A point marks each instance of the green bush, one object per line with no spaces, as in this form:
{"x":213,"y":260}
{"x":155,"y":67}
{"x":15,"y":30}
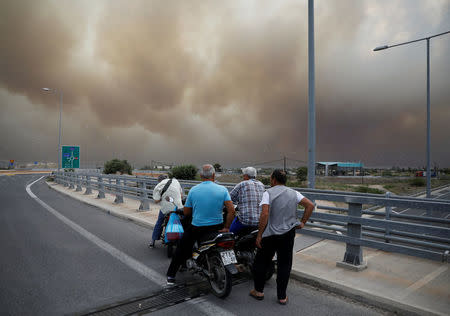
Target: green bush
{"x":69,"y":170}
{"x":184,"y":172}
{"x":364,"y":189}
{"x":417,"y":182}
{"x":116,"y":165}
{"x":386,"y":173}
{"x":302,"y":173}
{"x":264,"y":180}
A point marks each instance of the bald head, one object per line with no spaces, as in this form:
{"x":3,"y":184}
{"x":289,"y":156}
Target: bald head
{"x":207,"y":172}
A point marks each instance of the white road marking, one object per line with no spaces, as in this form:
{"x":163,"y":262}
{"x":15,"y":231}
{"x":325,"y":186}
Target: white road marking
{"x":140,"y":268}
{"x":207,"y":307}
{"x":447,"y":216}
{"x":423,"y":281}
{"x":403,"y":211}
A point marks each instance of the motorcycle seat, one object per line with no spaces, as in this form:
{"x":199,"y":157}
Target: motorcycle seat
{"x":213,"y":237}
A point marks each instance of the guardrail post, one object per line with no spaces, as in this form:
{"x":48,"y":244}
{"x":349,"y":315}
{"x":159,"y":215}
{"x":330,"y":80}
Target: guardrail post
{"x":88,"y":185}
{"x":101,"y":188}
{"x":71,"y":181}
{"x":66,"y":179}
{"x":353,"y":258}
{"x":145,"y":204}
{"x":388,"y":211}
{"x":78,"y":180}
{"x":119,"y":193}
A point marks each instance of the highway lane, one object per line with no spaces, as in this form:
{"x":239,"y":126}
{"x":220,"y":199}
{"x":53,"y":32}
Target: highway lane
{"x":443,"y":195}
{"x":49,"y":268}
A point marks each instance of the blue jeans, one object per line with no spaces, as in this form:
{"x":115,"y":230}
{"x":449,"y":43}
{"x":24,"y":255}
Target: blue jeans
{"x":237,"y":226}
{"x":157,"y":230}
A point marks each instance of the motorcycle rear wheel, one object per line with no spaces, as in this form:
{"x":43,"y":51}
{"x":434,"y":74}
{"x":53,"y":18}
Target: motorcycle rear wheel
{"x":220,"y":279}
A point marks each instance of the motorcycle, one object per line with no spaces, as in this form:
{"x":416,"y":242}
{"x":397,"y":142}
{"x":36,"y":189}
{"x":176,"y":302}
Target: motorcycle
{"x":170,"y":243}
{"x":213,"y":257}
{"x":245,"y":248}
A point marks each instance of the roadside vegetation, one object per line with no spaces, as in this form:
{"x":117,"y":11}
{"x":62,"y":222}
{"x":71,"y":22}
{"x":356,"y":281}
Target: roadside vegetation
{"x":117,"y":166}
{"x":184,"y":172}
{"x":402,"y":183}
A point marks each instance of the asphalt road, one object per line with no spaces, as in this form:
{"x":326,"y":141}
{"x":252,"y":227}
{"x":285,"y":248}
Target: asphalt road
{"x":443,"y":195}
{"x":63,"y":257}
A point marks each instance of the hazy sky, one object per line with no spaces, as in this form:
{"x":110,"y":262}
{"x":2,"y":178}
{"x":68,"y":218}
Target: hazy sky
{"x":223,"y":81}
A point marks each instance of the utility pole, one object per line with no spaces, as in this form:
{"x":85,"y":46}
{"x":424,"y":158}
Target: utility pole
{"x":284,"y":164}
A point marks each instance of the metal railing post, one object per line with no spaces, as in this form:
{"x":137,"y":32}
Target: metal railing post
{"x":88,"y":185}
{"x":145,"y":203}
{"x":353,"y":258}
{"x":78,"y":180}
{"x":101,"y":188}
{"x":71,"y":181}
{"x":66,"y":179}
{"x":388,"y":211}
{"x":119,"y":193}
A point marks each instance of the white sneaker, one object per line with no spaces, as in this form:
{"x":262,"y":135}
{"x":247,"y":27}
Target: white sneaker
{"x":170,"y":281}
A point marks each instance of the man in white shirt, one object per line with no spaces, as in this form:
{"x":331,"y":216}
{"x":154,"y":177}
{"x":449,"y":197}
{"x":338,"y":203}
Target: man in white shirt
{"x":276,"y":233}
{"x":165,"y":188}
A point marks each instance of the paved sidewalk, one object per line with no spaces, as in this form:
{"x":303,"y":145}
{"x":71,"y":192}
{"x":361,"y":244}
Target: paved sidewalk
{"x":402,"y":284}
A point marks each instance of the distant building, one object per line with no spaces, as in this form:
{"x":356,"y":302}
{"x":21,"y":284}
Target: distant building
{"x":335,"y":168}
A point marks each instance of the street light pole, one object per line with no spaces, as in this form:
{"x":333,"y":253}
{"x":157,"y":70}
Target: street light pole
{"x":311,"y":100}
{"x":428,"y":123}
{"x":61,"y":94}
{"x":428,"y":100}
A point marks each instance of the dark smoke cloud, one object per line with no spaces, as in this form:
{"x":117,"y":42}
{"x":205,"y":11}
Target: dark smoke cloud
{"x":225,"y":81}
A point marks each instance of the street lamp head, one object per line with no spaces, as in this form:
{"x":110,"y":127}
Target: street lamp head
{"x":380,"y":48}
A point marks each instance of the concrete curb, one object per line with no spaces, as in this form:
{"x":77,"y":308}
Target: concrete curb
{"x":361,"y":296}
{"x":110,"y":211}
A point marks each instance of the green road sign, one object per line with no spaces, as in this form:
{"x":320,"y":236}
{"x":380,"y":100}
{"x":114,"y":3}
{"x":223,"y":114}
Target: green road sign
{"x":70,"y":157}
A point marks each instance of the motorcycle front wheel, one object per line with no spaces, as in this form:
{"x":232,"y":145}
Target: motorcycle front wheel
{"x":220,"y":279}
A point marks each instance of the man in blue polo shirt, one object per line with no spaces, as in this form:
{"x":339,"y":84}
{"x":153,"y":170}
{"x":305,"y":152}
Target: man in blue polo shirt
{"x":205,"y":202}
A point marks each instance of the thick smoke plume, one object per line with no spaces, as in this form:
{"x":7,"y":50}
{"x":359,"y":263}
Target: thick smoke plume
{"x":198,"y":81}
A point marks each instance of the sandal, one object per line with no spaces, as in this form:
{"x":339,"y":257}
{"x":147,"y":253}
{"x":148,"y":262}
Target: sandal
{"x":283,"y":302}
{"x":256,"y":296}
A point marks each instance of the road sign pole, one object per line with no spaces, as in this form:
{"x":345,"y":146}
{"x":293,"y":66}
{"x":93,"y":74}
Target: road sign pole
{"x":60,"y":122}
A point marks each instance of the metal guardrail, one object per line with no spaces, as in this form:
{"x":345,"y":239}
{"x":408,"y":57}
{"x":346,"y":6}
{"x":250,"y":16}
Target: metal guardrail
{"x":421,"y":236}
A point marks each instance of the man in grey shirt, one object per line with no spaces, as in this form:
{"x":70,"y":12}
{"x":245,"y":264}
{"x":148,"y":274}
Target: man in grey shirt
{"x":277,"y":226}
